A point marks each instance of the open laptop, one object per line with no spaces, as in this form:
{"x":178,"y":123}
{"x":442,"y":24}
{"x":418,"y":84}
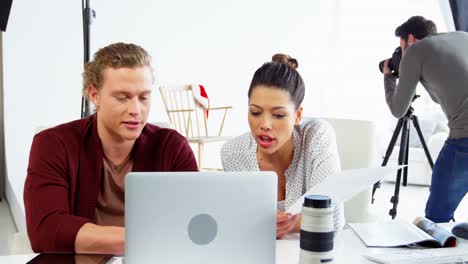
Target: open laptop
{"x":200,"y":217}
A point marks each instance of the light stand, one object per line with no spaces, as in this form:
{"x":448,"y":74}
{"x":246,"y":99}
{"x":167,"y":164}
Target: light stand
{"x":88,"y":15}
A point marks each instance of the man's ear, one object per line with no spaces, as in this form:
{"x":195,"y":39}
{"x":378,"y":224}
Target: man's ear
{"x":298,"y":116}
{"x":92,"y":94}
{"x":411,"y":39}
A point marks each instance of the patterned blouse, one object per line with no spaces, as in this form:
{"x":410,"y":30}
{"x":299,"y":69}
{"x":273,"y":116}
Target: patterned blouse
{"x":315,"y":158}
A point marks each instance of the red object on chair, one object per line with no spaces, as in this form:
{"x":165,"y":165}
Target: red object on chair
{"x":201,"y":97}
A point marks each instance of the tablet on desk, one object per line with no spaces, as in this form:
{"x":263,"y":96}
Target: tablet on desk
{"x":63,"y":258}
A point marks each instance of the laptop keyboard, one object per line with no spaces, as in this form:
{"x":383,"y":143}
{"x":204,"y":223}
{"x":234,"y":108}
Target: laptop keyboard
{"x":413,"y":256}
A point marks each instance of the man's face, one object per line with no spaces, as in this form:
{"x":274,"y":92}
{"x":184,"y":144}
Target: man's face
{"x":403,"y":45}
{"x":122,"y":103}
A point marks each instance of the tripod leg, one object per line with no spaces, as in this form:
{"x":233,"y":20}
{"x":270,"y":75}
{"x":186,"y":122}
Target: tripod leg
{"x":388,"y":152}
{"x":405,"y":170}
{"x":423,"y":142}
{"x":401,"y":160}
{"x":391,"y":145}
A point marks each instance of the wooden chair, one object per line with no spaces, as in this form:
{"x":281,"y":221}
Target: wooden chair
{"x":191,"y":120}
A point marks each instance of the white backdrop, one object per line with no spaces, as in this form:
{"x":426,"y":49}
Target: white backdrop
{"x":216,"y":43}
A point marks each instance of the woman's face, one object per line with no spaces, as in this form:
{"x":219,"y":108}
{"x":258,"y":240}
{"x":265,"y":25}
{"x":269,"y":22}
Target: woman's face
{"x":272,"y":117}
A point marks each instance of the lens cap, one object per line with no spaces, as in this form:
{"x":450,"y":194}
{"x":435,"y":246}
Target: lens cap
{"x":317,"y":201}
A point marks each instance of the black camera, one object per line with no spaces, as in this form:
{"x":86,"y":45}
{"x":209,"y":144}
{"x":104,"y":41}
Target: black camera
{"x":393,"y":62}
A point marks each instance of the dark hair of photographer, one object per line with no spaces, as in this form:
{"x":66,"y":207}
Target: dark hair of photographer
{"x":418,"y":26}
{"x":280,"y":73}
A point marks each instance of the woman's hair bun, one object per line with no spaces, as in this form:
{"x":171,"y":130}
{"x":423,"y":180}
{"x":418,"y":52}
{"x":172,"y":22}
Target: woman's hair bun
{"x":286,"y":59}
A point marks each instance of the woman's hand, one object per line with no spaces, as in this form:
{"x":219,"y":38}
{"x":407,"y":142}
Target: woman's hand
{"x":286,"y":223}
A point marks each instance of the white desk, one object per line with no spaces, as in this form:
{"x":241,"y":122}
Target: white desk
{"x":16,"y":259}
{"x":348,"y":249}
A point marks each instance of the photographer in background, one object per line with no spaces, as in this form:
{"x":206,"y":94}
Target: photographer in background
{"x":440,"y":63}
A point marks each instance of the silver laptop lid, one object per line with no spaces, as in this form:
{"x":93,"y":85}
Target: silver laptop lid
{"x":200,"y":217}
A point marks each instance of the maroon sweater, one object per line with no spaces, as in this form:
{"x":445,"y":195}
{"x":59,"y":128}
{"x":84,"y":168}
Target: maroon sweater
{"x":65,"y":174}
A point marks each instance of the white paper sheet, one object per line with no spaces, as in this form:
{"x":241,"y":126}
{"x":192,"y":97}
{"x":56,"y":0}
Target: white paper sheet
{"x":344,"y":185}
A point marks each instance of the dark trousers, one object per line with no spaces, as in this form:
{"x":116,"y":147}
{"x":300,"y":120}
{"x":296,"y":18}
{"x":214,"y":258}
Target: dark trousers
{"x":449,"y":181}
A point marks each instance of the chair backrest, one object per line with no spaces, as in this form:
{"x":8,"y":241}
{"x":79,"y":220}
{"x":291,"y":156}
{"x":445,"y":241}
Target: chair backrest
{"x":356,"y":140}
{"x":162,"y":124}
{"x":184,"y":114}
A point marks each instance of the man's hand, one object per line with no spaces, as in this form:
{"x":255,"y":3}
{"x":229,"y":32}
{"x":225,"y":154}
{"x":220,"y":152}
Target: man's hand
{"x":95,"y":239}
{"x":285,"y":223}
{"x":386,"y":69}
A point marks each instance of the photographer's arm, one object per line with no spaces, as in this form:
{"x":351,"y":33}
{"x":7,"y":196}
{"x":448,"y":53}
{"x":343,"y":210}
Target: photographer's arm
{"x":399,"y":96}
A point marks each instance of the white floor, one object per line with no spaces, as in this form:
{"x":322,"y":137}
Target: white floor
{"x":7,"y":227}
{"x":411,"y":204}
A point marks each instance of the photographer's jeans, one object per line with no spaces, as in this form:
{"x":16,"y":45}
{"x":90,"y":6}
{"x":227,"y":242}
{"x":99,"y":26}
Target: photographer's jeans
{"x":449,"y":180}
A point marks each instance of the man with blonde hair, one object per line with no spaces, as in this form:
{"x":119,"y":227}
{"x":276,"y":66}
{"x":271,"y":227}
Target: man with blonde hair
{"x":74,"y":191}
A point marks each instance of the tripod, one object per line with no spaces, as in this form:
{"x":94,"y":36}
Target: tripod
{"x":403,"y":126}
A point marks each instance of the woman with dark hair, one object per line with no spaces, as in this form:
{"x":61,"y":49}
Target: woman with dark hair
{"x":301,"y":151}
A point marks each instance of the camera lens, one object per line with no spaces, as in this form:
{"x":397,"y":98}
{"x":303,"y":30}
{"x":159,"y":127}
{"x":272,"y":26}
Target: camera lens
{"x":317,"y":230}
{"x":393,"y":62}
